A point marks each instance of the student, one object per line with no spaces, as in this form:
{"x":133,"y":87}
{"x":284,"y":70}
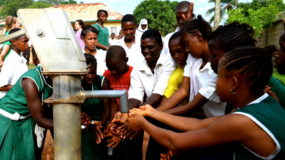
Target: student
{"x":15,"y":64}
{"x":112,"y":39}
{"x":256,"y":125}
{"x":97,"y":110}
{"x":202,"y":77}
{"x":130,"y":42}
{"x":89,"y":37}
{"x":179,"y":54}
{"x":277,"y":88}
{"x":78,"y":25}
{"x":119,"y":76}
{"x":118,"y":73}
{"x":10,"y":23}
{"x":20,"y":109}
{"x":103,"y":32}
{"x":143,"y":26}
{"x":184,"y":12}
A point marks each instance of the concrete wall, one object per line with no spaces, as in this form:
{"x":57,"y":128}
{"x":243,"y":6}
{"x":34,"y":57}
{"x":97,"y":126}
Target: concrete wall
{"x":271,"y":35}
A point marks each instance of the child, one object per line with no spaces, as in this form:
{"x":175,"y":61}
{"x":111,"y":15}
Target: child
{"x":103,"y":33}
{"x":257,"y":122}
{"x":118,"y":73}
{"x":179,"y":54}
{"x":20,"y":109}
{"x":202,"y":77}
{"x":15,"y":64}
{"x":89,"y":36}
{"x":97,"y":110}
{"x":276,"y":86}
{"x":119,"y":76}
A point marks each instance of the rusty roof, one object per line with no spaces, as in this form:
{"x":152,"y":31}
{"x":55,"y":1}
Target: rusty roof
{"x":88,"y":11}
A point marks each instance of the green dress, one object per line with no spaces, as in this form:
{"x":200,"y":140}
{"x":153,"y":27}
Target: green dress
{"x":7,"y":43}
{"x":103,"y":36}
{"x":16,"y":137}
{"x":268,"y":114}
{"x":94,"y":109}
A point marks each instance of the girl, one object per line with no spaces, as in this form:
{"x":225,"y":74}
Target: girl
{"x":103,"y":33}
{"x":78,"y":25}
{"x":202,"y":77}
{"x":89,"y":37}
{"x":10,"y":23}
{"x":20,"y":109}
{"x":96,"y":110}
{"x":257,"y":122}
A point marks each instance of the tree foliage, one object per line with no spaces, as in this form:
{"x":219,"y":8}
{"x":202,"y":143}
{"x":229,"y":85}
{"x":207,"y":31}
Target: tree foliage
{"x":258,"y":13}
{"x":10,"y":7}
{"x":40,"y":4}
{"x":160,"y":14}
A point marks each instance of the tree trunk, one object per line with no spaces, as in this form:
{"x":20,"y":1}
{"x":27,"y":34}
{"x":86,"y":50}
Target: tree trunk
{"x":217,"y":14}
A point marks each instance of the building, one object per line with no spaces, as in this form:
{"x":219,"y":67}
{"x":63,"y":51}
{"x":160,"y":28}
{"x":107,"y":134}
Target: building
{"x":88,"y":13}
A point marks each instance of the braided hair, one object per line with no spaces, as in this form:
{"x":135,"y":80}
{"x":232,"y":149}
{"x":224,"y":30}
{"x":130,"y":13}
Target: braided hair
{"x":88,"y":28}
{"x":231,"y":36}
{"x":253,"y":63}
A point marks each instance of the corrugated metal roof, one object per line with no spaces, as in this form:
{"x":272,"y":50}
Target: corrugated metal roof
{"x":88,"y":11}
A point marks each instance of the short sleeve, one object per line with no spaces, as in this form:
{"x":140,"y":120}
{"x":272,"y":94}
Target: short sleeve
{"x":136,"y":90}
{"x":7,"y":72}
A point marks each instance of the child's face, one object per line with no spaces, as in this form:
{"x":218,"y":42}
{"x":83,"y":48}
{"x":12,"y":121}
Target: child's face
{"x":223,"y":84}
{"x":129,"y":30}
{"x":90,"y":40}
{"x":102,"y":17}
{"x":150,"y":50}
{"x":178,"y":52}
{"x":117,"y":66}
{"x":182,"y":17}
{"x":193,"y":44}
{"x":76,"y":25}
{"x":279,"y":56}
{"x":216,"y":55}
{"x":22,"y":43}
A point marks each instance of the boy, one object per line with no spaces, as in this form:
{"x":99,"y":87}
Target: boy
{"x":15,"y":64}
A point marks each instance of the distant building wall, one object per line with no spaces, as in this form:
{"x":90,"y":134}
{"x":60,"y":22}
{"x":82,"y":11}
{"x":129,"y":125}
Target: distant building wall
{"x":271,"y":35}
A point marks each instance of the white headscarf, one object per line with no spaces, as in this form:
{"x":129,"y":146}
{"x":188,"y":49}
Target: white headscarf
{"x":143,"y":21}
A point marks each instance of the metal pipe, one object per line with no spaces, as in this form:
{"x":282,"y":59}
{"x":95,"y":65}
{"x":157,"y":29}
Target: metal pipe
{"x":67,"y":132}
{"x":122,"y":94}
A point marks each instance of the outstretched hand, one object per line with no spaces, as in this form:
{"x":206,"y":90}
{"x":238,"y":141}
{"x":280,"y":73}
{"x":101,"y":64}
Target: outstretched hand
{"x":143,"y":110}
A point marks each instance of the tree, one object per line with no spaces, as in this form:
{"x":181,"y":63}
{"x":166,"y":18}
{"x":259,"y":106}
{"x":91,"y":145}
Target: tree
{"x":10,"y":7}
{"x":258,"y":14}
{"x":160,"y":14}
{"x":40,"y":4}
{"x":217,"y":19}
{"x":225,"y":5}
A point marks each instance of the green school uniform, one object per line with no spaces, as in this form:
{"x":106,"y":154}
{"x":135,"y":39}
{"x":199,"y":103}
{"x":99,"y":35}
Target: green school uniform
{"x":103,"y":36}
{"x":269,"y":115}
{"x":16,"y":137}
{"x":278,"y":88}
{"x":7,"y":43}
{"x":94,"y":109}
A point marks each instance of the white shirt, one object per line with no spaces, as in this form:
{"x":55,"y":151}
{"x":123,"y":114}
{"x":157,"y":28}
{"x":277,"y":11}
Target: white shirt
{"x":203,"y":81}
{"x":166,"y":39}
{"x":143,"y":81}
{"x":13,"y":68}
{"x":134,"y":53}
{"x":101,"y":61}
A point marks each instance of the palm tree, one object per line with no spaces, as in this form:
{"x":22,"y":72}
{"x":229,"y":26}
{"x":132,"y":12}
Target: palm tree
{"x":225,"y":5}
{"x":217,"y":14}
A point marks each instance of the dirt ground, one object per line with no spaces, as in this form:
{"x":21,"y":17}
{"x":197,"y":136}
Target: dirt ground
{"x":48,"y":152}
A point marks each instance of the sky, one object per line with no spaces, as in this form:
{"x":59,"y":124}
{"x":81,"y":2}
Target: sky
{"x":128,"y":6}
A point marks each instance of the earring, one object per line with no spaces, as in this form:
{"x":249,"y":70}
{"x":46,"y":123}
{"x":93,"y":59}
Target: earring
{"x":233,"y":92}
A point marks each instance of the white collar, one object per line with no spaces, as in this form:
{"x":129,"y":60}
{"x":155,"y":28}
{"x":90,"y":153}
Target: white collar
{"x":18,"y":57}
{"x":261,"y":98}
{"x":206,"y":67}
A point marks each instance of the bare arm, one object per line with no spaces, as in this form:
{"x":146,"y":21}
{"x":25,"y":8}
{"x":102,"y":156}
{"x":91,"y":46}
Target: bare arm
{"x":177,"y":97}
{"x":154,"y":99}
{"x":198,"y":101}
{"x":6,"y":88}
{"x":177,"y":122}
{"x":4,"y":52}
{"x":35,"y":104}
{"x":134,"y":103}
{"x":221,"y":131}
{"x":102,"y":46}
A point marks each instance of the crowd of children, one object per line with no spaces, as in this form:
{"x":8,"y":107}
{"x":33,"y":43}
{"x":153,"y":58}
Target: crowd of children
{"x":198,"y":93}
